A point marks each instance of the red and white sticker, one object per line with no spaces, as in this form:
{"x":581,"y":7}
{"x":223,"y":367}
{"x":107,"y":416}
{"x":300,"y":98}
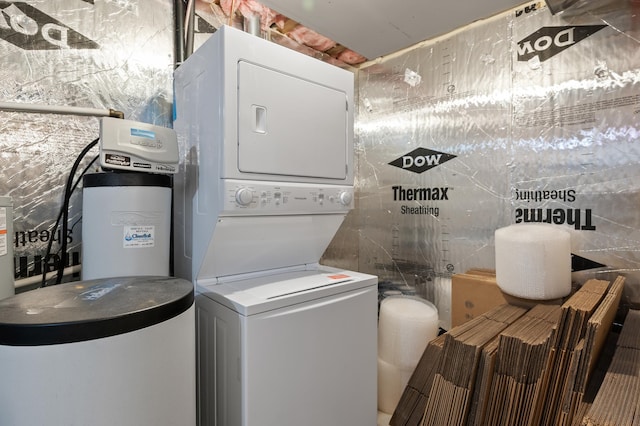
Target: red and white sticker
{"x":339,"y":276}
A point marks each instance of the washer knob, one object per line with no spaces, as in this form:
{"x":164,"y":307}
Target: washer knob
{"x":345,"y":198}
{"x":244,"y":196}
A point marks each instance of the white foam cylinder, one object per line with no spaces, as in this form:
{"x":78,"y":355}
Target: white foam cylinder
{"x":442,"y":287}
{"x":533,"y":261}
{"x":405,"y":326}
{"x":391,"y":383}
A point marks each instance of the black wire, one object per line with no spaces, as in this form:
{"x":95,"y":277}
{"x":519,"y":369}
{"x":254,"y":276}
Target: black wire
{"x":64,"y":215}
{"x":84,"y":172}
{"x":48,"y":252}
{"x":75,"y":185}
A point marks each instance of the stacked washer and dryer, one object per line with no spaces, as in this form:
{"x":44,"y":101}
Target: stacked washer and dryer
{"x":265,"y":181}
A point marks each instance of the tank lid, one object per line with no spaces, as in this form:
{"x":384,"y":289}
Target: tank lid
{"x":125,"y":179}
{"x":92,"y":309}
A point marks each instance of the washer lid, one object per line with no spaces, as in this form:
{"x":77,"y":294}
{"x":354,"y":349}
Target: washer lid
{"x":93,"y":309}
{"x":261,"y":293}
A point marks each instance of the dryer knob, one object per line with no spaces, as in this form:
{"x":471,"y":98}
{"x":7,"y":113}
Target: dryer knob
{"x":244,"y":196}
{"x":345,"y":198}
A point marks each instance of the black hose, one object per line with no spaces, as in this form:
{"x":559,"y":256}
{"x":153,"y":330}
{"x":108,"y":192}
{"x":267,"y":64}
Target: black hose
{"x":64,"y":215}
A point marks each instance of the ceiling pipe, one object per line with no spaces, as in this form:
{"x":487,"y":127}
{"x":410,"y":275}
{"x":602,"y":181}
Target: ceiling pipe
{"x":252,"y":24}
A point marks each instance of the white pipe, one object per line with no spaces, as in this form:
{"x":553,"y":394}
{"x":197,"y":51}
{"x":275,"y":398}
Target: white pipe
{"x":52,"y":109}
{"x":38,"y":278}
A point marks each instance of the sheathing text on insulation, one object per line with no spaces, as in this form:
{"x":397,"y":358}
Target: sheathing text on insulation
{"x":524,"y":117}
{"x":100,"y":54}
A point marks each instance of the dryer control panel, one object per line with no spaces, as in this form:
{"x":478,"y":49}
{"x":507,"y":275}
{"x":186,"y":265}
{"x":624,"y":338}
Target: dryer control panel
{"x":265,"y":198}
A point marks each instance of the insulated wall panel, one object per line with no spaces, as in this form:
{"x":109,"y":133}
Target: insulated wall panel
{"x":92,"y":54}
{"x":526,"y":116}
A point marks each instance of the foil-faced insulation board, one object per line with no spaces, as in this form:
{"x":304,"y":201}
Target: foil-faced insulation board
{"x":94,"y":54}
{"x":525,"y":117}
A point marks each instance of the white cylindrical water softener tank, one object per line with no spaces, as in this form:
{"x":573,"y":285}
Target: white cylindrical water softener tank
{"x":7,"y":286}
{"x":118,"y":351}
{"x":126,"y":224}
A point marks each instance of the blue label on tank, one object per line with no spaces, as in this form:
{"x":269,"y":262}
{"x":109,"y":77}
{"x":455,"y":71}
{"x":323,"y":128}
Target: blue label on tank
{"x":143,"y":133}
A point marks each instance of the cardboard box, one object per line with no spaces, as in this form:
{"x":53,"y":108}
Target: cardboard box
{"x":475,"y":292}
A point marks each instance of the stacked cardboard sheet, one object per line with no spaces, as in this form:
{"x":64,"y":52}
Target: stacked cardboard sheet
{"x":518,"y":382}
{"x":484,"y":376}
{"x":451,"y":392}
{"x":413,"y":400}
{"x":596,"y":379}
{"x":568,"y":347}
{"x":587,"y":352}
{"x":513,"y":365}
{"x":618,"y":399}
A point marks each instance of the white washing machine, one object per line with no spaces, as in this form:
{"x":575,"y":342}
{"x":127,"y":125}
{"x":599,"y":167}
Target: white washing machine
{"x":294,"y":348}
{"x":264,"y":183}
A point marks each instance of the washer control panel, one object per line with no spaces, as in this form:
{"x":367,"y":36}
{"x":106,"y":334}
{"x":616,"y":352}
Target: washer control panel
{"x":256,"y":197}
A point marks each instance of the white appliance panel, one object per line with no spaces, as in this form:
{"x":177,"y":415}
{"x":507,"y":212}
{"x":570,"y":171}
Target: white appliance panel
{"x":247,"y":244}
{"x":258,"y":198}
{"x":254,"y":293}
{"x":218,"y":364}
{"x":310,"y":361}
{"x":290,"y":126}
{"x":265,"y":181}
{"x":323,"y":358}
{"x":308,"y":129}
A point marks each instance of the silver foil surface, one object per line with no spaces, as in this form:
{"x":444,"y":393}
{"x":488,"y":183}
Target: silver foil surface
{"x":93,"y":54}
{"x":526,"y":116}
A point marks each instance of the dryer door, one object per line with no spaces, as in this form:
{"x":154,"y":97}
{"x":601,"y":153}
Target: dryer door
{"x":290,"y":126}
